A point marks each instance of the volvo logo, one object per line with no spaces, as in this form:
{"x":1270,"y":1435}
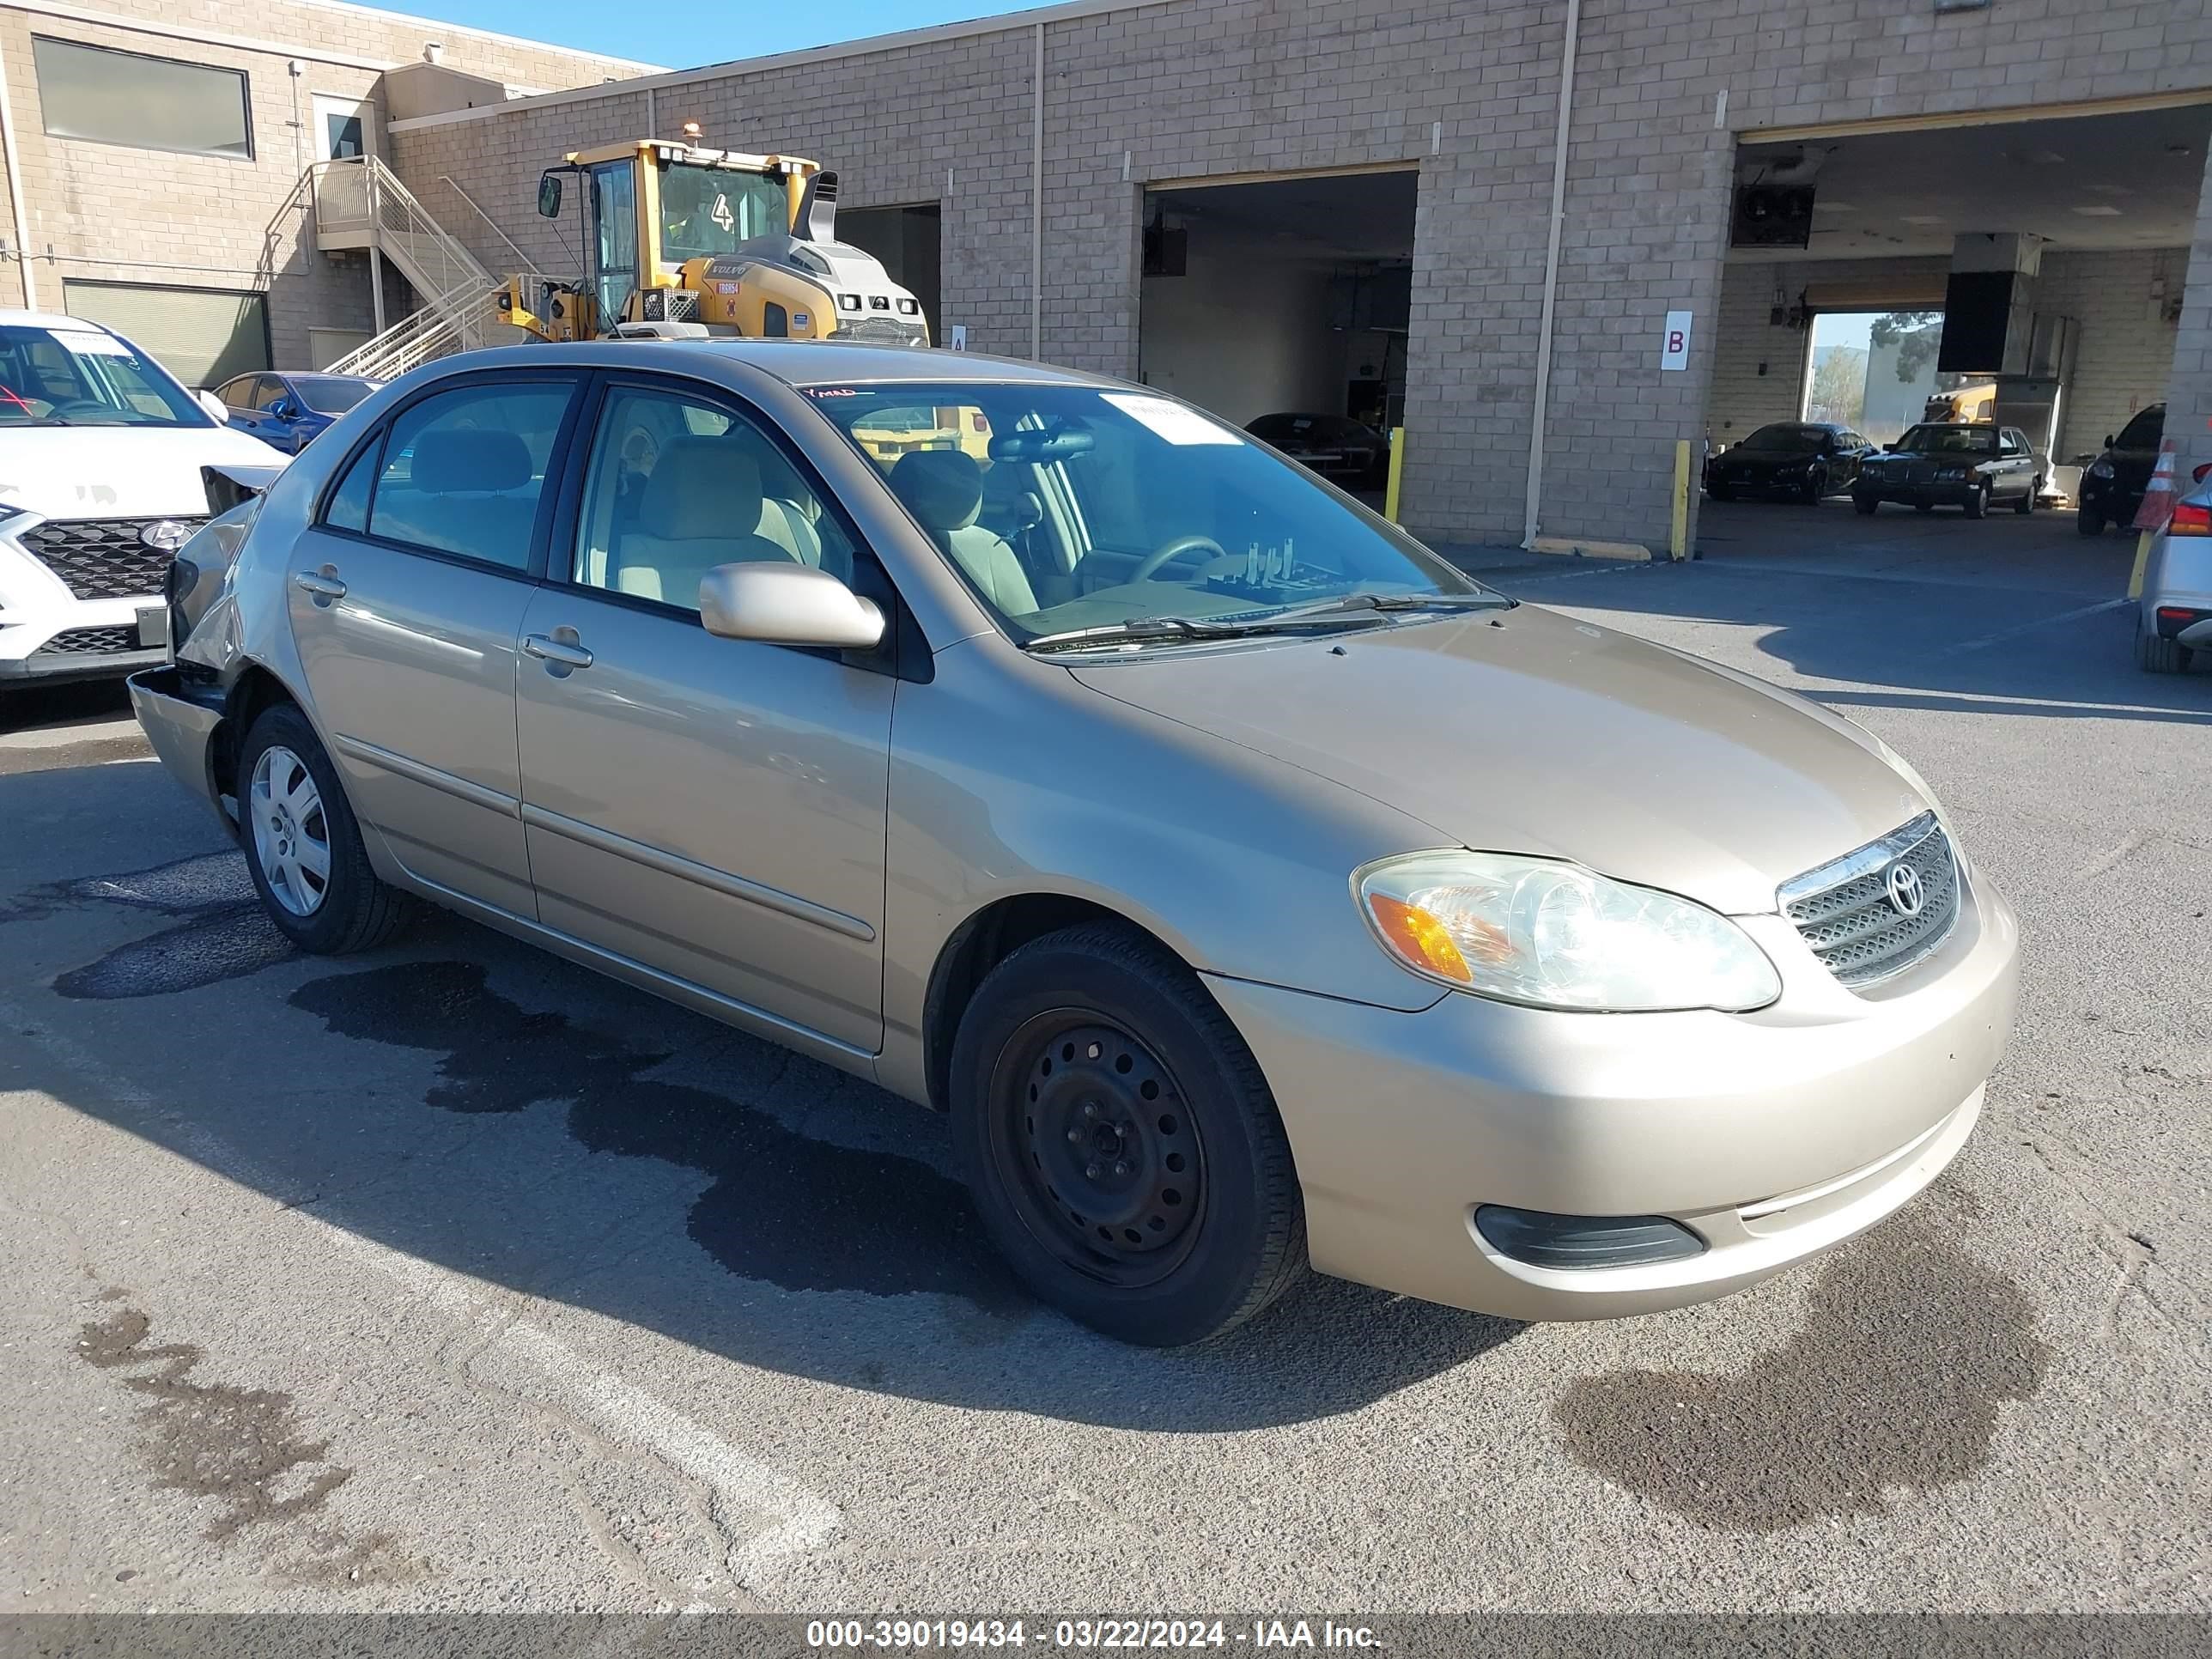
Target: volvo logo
{"x":165,"y":535}
{"x":1907,"y":895}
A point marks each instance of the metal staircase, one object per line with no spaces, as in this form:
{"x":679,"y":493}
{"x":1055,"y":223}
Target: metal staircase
{"x":360,"y":202}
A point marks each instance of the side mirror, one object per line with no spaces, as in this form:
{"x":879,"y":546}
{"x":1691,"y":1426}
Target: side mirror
{"x":285,"y":409}
{"x":786,"y":605}
{"x":2108,"y":440}
{"x":549,"y":194}
{"x":218,"y":411}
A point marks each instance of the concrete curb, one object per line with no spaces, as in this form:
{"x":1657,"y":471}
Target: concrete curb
{"x":1566,"y":547}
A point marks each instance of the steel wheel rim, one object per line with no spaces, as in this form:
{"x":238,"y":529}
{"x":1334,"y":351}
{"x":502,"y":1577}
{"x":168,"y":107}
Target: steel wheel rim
{"x":1097,"y":1147}
{"x":291,"y":831}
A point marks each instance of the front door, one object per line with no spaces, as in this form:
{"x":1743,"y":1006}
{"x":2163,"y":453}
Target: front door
{"x":406,"y":597}
{"x":614,"y":239}
{"x":713,"y":809}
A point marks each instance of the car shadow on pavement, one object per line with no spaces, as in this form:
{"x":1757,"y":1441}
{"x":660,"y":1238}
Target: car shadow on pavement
{"x":483,"y":1106}
{"x":1885,"y":643}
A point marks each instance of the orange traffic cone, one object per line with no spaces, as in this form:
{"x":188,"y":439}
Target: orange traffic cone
{"x":2160,"y":494}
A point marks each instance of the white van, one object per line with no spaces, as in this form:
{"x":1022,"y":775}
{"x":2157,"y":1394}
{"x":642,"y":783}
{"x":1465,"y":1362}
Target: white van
{"x":101,"y":452}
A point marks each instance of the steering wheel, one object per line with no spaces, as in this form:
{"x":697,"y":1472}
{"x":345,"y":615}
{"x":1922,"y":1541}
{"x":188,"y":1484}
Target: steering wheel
{"x":1174,"y":548}
{"x":80,"y":406}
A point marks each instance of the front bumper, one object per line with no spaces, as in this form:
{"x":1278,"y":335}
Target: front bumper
{"x":1771,"y":1135}
{"x":82,"y":638}
{"x":1945,"y":492}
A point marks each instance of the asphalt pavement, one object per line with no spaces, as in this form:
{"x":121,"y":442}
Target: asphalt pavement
{"x":452,"y":1276}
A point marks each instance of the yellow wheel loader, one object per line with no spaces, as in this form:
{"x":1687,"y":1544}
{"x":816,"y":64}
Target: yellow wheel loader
{"x":680,"y":241}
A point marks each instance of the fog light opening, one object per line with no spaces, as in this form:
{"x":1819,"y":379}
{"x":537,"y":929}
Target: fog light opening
{"x":1571,"y":1242}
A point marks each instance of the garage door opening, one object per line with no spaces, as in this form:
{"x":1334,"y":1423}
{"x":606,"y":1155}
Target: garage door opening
{"x":1285,"y":296}
{"x":909,"y":240}
{"x":2023,"y":274}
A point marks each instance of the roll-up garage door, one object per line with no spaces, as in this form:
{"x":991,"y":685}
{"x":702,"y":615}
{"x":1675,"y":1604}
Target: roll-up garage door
{"x":1890,"y":293}
{"x":202,"y":336}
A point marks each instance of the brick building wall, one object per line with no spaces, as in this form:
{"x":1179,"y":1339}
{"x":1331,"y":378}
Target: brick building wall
{"x":1193,"y":90}
{"x":115,"y":213}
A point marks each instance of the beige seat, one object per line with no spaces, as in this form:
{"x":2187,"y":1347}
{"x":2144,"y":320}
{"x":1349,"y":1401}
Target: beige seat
{"x":943,"y":490}
{"x":700,"y":490}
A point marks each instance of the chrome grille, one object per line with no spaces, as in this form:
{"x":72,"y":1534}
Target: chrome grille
{"x":102,"y":558}
{"x":1844,"y":910}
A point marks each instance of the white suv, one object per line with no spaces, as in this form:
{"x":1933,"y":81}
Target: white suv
{"x":101,"y":452}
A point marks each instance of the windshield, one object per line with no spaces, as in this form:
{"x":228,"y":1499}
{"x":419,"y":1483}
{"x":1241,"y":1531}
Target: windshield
{"x":1071,"y":507}
{"x":1950,"y":439}
{"x":82,"y":377}
{"x":709,"y":210}
{"x":332,"y":394}
{"x":1787,"y":440}
{"x":2144,"y":430}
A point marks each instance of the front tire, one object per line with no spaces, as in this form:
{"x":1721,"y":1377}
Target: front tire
{"x":303,"y":846}
{"x":1864,"y":504}
{"x":1720,"y":492}
{"x":2089,"y":521}
{"x":2158,"y":655}
{"x":1121,"y":1145}
{"x":1976,"y":506}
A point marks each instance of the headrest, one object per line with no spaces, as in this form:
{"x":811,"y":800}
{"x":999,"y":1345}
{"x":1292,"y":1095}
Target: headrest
{"x":943,"y":488}
{"x":470,"y":458}
{"x":703,"y":488}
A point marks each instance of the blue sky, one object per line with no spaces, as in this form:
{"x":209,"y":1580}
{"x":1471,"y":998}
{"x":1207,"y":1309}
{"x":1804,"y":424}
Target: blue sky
{"x":682,"y":39}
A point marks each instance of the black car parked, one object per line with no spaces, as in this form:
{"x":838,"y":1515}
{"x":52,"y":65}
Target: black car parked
{"x":1802,"y":460}
{"x":1952,"y":464}
{"x":1335,"y":445}
{"x":2112,"y":485}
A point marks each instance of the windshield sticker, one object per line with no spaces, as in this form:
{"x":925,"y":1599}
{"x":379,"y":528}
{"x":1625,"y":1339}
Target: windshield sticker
{"x":92,"y":345}
{"x":832,"y":391}
{"x":1173,"y":422}
{"x":722,"y":216}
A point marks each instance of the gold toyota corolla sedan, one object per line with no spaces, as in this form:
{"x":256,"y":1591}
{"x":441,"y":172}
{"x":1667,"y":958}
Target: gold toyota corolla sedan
{"x":1250,"y":887}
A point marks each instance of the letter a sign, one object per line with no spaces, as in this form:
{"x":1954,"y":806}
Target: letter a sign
{"x":1674,"y":345}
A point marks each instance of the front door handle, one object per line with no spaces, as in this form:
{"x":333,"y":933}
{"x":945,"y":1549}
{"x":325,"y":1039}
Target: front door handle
{"x":555,"y":655}
{"x":323,"y":584}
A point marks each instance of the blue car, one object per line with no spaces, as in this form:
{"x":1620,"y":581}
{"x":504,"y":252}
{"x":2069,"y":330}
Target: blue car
{"x":286,"y":410}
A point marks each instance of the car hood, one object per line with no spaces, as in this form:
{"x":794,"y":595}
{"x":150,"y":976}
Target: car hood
{"x":120,"y":472}
{"x":1545,"y":736}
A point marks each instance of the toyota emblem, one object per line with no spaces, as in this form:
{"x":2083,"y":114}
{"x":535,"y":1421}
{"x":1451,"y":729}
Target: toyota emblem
{"x":1907,"y":895}
{"x":165,"y":535}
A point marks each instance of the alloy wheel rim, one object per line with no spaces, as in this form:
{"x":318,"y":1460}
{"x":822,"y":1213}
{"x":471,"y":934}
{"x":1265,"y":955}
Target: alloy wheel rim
{"x":291,"y":831}
{"x":1107,"y":1170}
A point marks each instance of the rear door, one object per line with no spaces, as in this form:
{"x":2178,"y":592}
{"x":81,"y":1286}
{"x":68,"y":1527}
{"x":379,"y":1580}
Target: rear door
{"x":406,"y":597}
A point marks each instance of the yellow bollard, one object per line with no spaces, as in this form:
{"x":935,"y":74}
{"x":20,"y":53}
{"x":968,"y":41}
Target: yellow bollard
{"x":1397,"y":472}
{"x":2142,"y":563}
{"x":1678,"y":535}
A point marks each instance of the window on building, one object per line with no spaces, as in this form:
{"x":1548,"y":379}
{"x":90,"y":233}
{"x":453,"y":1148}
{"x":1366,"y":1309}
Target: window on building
{"x":150,"y":103}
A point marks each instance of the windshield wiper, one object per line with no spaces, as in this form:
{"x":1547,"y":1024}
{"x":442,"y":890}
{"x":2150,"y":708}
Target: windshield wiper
{"x":1356,"y":603}
{"x":1138,"y":630}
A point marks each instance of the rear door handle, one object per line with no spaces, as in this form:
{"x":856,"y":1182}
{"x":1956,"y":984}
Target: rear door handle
{"x":556,"y":654}
{"x":324,"y":584}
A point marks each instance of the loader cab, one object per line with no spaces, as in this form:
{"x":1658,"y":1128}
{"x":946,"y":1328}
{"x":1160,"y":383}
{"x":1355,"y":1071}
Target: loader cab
{"x":649,"y":207}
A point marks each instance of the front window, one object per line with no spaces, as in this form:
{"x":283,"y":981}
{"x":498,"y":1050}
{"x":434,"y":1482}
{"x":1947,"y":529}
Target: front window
{"x":1787,"y":439}
{"x":1950,"y":440}
{"x":84,"y":377}
{"x":705,"y":211}
{"x":614,"y":225}
{"x":331,"y":394}
{"x":1074,"y":508}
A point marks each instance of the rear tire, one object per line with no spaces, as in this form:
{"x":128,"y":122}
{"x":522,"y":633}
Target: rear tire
{"x":1120,"y":1142}
{"x":2026,"y":504}
{"x":303,"y":846}
{"x":2089,"y":521}
{"x":2159,"y":655}
{"x":1864,"y":505}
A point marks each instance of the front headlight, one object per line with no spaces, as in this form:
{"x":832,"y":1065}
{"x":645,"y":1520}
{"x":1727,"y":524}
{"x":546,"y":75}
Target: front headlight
{"x":2100,"y":468}
{"x":1554,"y":935}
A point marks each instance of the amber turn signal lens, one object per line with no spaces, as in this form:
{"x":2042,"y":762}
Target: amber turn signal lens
{"x":1419,"y":937}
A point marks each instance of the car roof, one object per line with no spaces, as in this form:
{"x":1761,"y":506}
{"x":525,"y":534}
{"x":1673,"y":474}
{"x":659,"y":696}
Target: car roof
{"x":51,"y":319}
{"x":814,"y":362}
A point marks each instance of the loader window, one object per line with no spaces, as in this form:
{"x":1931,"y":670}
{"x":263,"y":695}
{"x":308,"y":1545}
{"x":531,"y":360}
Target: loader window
{"x":614,"y":221}
{"x":706,"y":211}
